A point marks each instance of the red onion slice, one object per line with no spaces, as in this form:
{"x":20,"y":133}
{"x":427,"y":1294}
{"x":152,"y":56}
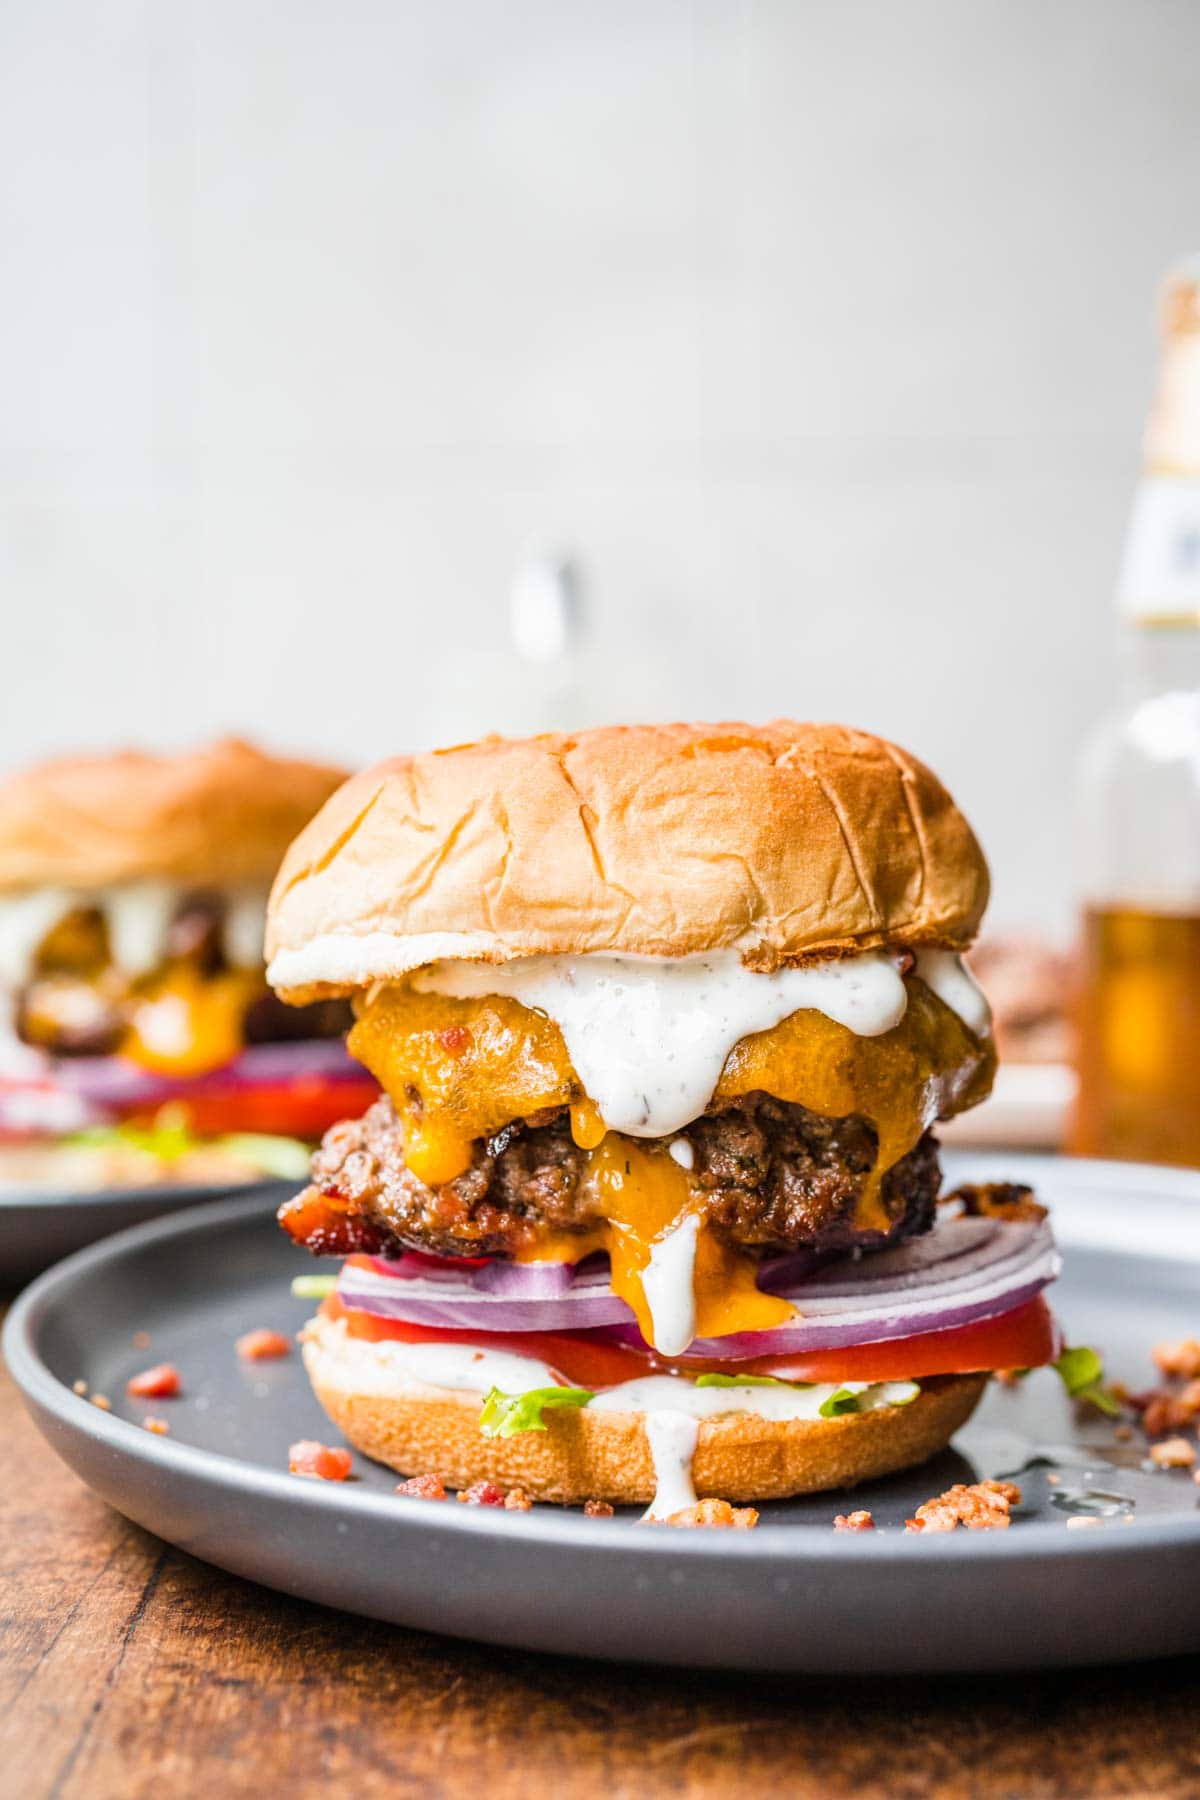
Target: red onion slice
{"x":966,"y":1269}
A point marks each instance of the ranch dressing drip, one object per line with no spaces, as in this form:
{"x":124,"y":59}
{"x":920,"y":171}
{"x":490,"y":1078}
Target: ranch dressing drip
{"x":955,"y":986}
{"x":668,"y":1283}
{"x":138,"y":917}
{"x":648,"y":1037}
{"x":672,"y":1439}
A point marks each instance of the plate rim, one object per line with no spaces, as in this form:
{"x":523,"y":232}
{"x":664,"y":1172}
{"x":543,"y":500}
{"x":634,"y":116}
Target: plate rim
{"x":558,"y":1528}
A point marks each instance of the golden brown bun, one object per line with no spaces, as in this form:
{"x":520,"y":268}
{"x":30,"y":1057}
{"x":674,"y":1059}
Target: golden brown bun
{"x":783,"y":841}
{"x":217,"y":816}
{"x":584,"y":1455}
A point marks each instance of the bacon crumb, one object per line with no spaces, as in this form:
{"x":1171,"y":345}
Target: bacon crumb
{"x":423,"y":1487}
{"x":982,"y":1506}
{"x":1180,"y":1361}
{"x":159,"y":1383}
{"x":310,"y":1458}
{"x":481,"y":1493}
{"x":79,"y":1387}
{"x":159,"y":1427}
{"x":997,"y":1200}
{"x":714,"y":1512}
{"x":1162,"y":1411}
{"x":1173,"y":1453}
{"x":263,"y":1345}
{"x":855,"y":1521}
{"x":102,"y":1401}
{"x":141,"y":1340}
{"x":597,"y":1509}
{"x":517,"y":1500}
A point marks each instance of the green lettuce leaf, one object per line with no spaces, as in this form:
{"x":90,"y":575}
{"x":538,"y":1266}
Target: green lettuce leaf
{"x":167,"y":1140}
{"x":313,"y":1287}
{"x":854,"y":1398}
{"x":504,"y":1415}
{"x":1082,"y":1374}
{"x":748,"y":1381}
{"x":285,"y":1157}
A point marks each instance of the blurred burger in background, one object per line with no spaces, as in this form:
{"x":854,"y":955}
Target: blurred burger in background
{"x":138,"y":1039}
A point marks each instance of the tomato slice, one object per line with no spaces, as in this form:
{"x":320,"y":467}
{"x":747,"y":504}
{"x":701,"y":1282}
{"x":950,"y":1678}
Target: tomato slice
{"x":304,"y":1107}
{"x":583,"y":1359}
{"x":1024,"y":1338}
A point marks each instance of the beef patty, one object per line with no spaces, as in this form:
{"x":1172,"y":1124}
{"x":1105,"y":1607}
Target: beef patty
{"x":774,"y":1177}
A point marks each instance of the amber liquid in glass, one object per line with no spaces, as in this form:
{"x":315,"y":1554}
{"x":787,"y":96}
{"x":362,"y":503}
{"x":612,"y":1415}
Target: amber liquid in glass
{"x":1139,"y":1039}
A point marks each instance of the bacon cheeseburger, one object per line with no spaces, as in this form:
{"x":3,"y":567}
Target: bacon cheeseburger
{"x":663,"y":1016}
{"x":133,"y":895}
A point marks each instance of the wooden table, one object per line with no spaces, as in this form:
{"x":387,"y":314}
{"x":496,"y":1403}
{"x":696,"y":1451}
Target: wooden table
{"x":128,"y":1669}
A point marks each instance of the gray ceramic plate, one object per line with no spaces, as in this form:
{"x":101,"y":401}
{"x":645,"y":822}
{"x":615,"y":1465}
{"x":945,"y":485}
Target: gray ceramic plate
{"x":39,"y":1228}
{"x":792,"y":1595}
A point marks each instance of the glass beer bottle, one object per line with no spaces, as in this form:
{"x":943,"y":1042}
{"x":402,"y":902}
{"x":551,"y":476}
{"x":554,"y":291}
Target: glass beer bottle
{"x":1139,"y":1002}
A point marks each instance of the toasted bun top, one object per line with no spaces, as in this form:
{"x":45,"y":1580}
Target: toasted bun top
{"x":217,"y":816}
{"x":784,"y":841}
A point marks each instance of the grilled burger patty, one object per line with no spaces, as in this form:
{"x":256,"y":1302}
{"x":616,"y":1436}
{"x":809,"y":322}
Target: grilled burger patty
{"x":774,"y":1176}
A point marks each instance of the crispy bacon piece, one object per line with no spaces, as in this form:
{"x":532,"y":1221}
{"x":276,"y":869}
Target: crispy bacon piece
{"x":1173,"y":1453}
{"x":481,"y":1493}
{"x":263,"y":1345}
{"x":323,"y":1224}
{"x":423,"y":1487}
{"x":855,"y":1521}
{"x":1179,"y":1361}
{"x":983,"y":1506}
{"x":162,"y":1382}
{"x":310,"y":1458}
{"x":714,"y":1512}
{"x":997,"y":1200}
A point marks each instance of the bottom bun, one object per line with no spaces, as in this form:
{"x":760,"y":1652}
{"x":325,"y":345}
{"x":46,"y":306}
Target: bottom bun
{"x":584,"y":1455}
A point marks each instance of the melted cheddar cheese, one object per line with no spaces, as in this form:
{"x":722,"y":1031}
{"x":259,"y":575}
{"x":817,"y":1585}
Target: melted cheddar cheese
{"x":184,"y":1022}
{"x":457,"y":1070}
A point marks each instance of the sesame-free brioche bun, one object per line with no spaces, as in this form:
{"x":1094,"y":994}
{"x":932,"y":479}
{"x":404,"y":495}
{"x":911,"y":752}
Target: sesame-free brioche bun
{"x":784,"y":841}
{"x":584,"y":1455}
{"x":216,"y":816}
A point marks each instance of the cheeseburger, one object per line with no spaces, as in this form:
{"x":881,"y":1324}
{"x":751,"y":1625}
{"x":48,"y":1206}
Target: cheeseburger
{"x":664,"y":1017}
{"x":135,"y":1018}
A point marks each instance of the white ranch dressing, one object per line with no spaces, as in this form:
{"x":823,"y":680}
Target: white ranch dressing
{"x":669,"y":1287}
{"x":675,"y":1394}
{"x":138,"y":915}
{"x":648,"y":1036}
{"x":243,"y":926}
{"x":948,"y":977}
{"x":362,"y":1367}
{"x":25,"y":920}
{"x":672,"y":1439}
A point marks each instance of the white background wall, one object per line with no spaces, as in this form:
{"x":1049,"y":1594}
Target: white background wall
{"x":818,"y":333}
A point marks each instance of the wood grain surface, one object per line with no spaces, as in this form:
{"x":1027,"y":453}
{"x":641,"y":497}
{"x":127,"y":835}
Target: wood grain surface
{"x":128,"y":1669}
